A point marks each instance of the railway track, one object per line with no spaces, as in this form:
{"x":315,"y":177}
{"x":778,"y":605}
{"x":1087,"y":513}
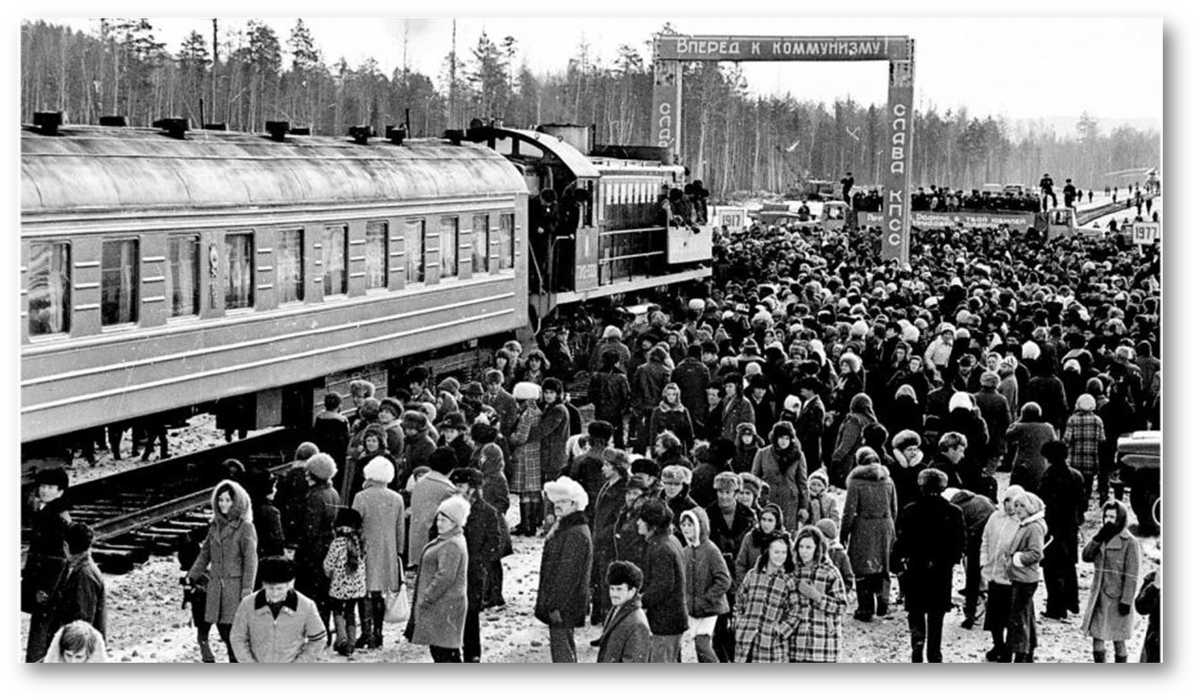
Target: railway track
{"x":148,"y":510}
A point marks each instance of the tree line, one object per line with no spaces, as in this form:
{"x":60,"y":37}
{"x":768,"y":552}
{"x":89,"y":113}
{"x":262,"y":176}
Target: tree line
{"x":243,"y":76}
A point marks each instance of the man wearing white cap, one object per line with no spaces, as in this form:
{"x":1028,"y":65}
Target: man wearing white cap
{"x":565,"y":575}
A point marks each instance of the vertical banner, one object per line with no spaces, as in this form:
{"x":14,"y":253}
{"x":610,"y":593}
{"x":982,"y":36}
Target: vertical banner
{"x":897,"y":202}
{"x":666,"y":125}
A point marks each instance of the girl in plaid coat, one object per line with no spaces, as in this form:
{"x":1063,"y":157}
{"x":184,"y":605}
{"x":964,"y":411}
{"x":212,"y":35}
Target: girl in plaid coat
{"x":822,"y":601}
{"x":527,"y":458}
{"x":768,"y":606}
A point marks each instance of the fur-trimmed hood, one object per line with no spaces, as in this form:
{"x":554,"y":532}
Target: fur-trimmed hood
{"x":240,"y":510}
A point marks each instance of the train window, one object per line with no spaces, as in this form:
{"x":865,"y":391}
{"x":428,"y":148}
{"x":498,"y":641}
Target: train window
{"x":448,"y":233}
{"x":289,"y":266}
{"x":506,"y":241}
{"x":183,"y":275}
{"x":414,"y":250}
{"x":118,"y":282}
{"x":481,"y":252}
{"x":239,"y":279}
{"x":377,"y":255}
{"x":337,"y":242}
{"x":49,"y":288}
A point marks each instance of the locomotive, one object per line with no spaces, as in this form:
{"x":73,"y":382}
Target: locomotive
{"x":167,"y":270}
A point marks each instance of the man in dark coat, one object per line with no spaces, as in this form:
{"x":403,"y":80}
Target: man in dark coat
{"x":1061,"y":489}
{"x":482,"y":532}
{"x":693,"y":379}
{"x":930,"y":536}
{"x":995,"y":412}
{"x":588,"y":468}
{"x":499,"y":399}
{"x":331,"y":431}
{"x":80,"y":592}
{"x":565,"y":574}
{"x":646,"y":391}
{"x":811,"y":423}
{"x":976,"y":511}
{"x":664,"y":589}
{"x":729,"y":521}
{"x":609,"y":393}
{"x":626,"y":636}
{"x":46,"y":558}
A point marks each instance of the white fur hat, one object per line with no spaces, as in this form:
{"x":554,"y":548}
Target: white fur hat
{"x":1030,"y":350}
{"x":456,"y":508}
{"x":524,"y":391}
{"x":961,"y":399}
{"x":566,"y":488}
{"x":379,"y":469}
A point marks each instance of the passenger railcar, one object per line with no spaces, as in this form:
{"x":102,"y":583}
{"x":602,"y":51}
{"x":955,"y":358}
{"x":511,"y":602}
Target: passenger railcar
{"x":162,"y":268}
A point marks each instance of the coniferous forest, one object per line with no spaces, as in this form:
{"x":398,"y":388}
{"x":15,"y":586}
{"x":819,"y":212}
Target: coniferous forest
{"x":245,"y":75}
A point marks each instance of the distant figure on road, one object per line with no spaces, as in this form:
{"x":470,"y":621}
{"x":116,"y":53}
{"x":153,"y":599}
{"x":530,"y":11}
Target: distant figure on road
{"x":1047,"y":185}
{"x":1069,"y":194}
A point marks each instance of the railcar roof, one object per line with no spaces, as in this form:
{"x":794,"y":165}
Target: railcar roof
{"x":88,"y":168}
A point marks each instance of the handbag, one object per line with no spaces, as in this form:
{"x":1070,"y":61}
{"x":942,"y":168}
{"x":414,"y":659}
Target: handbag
{"x":398,"y":607}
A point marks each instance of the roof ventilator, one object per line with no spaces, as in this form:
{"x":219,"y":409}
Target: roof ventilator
{"x":175,"y":127}
{"x":216,"y":126}
{"x":300,"y":131}
{"x":397,"y":134}
{"x":114,"y":120}
{"x":48,"y":122}
{"x":360,"y":134}
{"x":278,"y":130}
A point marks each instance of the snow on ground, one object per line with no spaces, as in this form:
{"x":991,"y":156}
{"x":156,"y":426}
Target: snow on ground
{"x":147,"y":625}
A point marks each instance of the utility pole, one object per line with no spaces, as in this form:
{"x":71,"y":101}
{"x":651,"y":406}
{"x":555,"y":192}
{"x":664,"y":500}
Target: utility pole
{"x":453,"y":71}
{"x":213,"y":111}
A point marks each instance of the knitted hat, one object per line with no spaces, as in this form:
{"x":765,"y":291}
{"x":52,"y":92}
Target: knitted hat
{"x":1085,"y":402}
{"x":624,"y":573}
{"x":564,"y":488}
{"x":456,"y":508}
{"x":525,"y":391}
{"x":380,"y":469}
{"x":392,"y":405}
{"x":961,"y":399}
{"x":727,"y":480}
{"x":321,"y":466}
{"x":819,"y":475}
{"x":828,"y":528}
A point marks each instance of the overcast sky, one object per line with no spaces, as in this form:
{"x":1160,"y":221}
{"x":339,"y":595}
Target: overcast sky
{"x":1021,"y":68}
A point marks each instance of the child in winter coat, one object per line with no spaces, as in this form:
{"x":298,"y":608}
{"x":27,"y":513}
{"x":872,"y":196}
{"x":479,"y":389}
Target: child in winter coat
{"x":347,"y":571}
{"x":821,"y":504}
{"x":836,"y":551}
{"x":708,"y":581}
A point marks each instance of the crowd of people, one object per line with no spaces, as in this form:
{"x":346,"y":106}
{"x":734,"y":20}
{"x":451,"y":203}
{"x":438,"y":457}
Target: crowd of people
{"x":765,"y":453}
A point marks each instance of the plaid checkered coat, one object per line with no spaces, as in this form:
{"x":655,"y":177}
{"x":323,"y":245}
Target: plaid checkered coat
{"x":527,"y":453}
{"x":768,"y":613}
{"x":1084,"y":436}
{"x":819,"y":636}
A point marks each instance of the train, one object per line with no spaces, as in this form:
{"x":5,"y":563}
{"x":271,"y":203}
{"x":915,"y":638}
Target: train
{"x":167,"y":270}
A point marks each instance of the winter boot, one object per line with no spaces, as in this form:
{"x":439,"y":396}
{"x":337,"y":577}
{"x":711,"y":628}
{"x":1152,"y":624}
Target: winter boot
{"x":866,"y":601}
{"x":378,"y":609}
{"x":343,"y":645}
{"x":918,"y":653}
{"x":1099,"y":656}
{"x":368,"y":627}
{"x":351,"y":634}
{"x":206,"y":654}
{"x":1120,"y":659}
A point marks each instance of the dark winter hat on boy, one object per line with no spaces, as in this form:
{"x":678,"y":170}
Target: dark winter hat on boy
{"x":443,"y":460}
{"x":656,"y":513}
{"x":276,"y":570}
{"x":624,"y":573}
{"x":53,"y":476}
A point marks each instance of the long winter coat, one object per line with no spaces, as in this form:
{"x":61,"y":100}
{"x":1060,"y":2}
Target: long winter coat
{"x":868,"y":519}
{"x":1029,"y":543}
{"x":315,"y":525}
{"x":439,"y":609}
{"x":1061,"y":489}
{"x":810,"y":426}
{"x":564,"y":579}
{"x":1025,"y":442}
{"x":693,"y":379}
{"x":1115,"y":580}
{"x":767,"y":615}
{"x":428,"y":494}
{"x":552,"y":432}
{"x":849,"y":439}
{"x":996,"y":413}
{"x":787,"y":475}
{"x":527,"y":452}
{"x":230,"y":556}
{"x":664,"y":585}
{"x":675,"y":418}
{"x":707,"y":575}
{"x":818,"y":639}
{"x":482,"y":533}
{"x":608,"y":392}
{"x":626,"y":636}
{"x":382,"y":511}
{"x":734,"y":412}
{"x":930,"y":537}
